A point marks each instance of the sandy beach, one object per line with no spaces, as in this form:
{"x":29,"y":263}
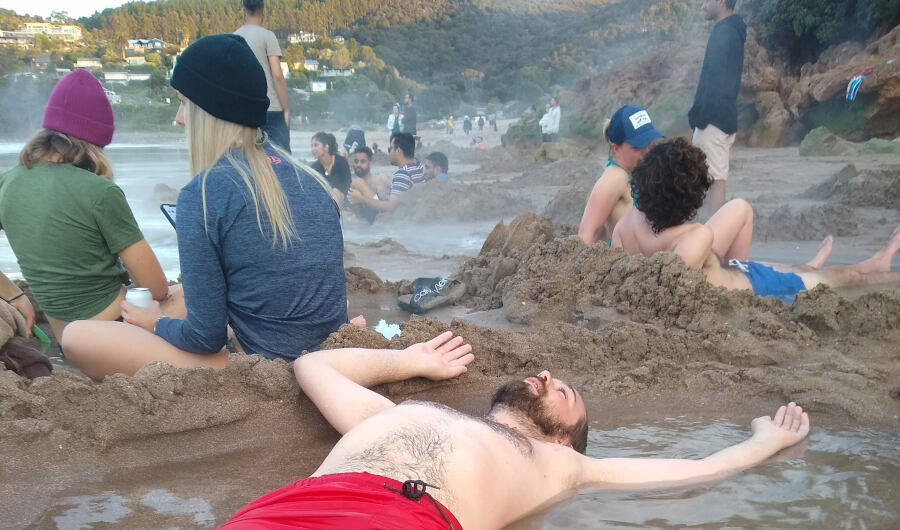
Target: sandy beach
{"x":643,"y":340}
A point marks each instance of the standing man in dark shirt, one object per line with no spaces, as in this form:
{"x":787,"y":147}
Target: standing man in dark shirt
{"x":409,"y":117}
{"x":714,"y":114}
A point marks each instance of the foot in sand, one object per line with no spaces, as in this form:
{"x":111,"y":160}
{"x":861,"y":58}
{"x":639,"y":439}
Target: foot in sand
{"x":822,"y":255}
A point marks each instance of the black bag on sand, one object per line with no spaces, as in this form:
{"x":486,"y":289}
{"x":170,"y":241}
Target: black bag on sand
{"x":25,"y":360}
{"x":430,"y":293}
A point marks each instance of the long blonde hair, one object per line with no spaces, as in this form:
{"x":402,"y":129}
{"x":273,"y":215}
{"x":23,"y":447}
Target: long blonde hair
{"x":80,"y":153}
{"x":211,"y":139}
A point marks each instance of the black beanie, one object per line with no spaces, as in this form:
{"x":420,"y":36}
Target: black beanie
{"x":220,"y":74}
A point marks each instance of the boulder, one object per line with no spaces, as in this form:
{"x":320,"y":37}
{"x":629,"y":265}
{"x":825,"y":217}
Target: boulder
{"x":822,"y":142}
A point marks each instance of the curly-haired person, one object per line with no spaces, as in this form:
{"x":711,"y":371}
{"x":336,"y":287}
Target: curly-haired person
{"x":670,"y":184}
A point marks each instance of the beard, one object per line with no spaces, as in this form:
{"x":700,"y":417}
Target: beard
{"x":517,"y":396}
{"x":360,"y":172}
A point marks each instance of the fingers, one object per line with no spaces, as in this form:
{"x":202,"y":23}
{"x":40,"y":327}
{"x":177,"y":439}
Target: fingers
{"x":796,"y":418}
{"x":464,"y":359}
{"x":804,"y":425}
{"x":450,"y":345}
{"x":436,"y":342}
{"x":779,"y":416}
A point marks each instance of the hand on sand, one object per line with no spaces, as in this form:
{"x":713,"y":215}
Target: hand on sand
{"x":443,"y":357}
{"x":789,"y":426}
{"x":23,"y":304}
{"x":145,"y":317}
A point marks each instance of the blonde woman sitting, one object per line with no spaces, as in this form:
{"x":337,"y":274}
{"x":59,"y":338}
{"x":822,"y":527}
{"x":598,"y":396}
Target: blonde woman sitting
{"x":259,"y":236}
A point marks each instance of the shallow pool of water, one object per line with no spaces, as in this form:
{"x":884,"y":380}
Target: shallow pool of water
{"x":843,"y":478}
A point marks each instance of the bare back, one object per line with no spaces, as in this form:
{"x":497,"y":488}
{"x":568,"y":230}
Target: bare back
{"x":471,"y":459}
{"x":693,"y":242}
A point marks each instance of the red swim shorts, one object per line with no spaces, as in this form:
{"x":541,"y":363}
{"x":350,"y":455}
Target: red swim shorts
{"x":345,"y":500}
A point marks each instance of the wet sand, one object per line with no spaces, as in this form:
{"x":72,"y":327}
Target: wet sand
{"x":643,"y":339}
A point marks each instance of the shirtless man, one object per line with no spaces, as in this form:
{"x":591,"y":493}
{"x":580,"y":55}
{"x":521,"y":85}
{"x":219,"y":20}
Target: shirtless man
{"x":671,"y":183}
{"x":479,"y":473}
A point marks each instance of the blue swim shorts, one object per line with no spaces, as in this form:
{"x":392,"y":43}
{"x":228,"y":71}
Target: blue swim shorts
{"x":766,"y":281}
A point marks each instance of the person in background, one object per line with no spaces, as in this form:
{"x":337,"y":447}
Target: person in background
{"x":713,"y":117}
{"x":629,"y":133}
{"x":259,"y":236}
{"x":331,"y":165}
{"x":356,"y":137}
{"x":409,"y":173}
{"x":467,"y":125}
{"x":268,"y":53}
{"x":409,"y":116}
{"x":436,"y":165}
{"x":69,"y":225}
{"x":395,"y":120}
{"x":377,"y":186}
{"x":549,"y":122}
{"x":451,"y":127}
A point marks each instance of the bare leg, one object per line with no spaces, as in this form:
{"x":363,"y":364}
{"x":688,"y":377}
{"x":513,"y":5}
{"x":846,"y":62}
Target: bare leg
{"x":732,"y":227}
{"x":821,"y":256}
{"x":102,"y":348}
{"x":814,"y":264}
{"x":716,"y":195}
{"x":872,"y":271}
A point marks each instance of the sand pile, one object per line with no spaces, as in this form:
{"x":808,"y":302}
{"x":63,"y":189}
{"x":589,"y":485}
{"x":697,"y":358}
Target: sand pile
{"x":812,"y":222}
{"x":876,"y":187}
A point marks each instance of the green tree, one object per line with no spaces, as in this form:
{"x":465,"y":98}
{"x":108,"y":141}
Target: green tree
{"x":341,"y":59}
{"x":158,"y":80}
{"x":153,"y":59}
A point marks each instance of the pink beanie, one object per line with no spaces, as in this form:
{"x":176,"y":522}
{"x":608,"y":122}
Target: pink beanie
{"x":79,"y":107}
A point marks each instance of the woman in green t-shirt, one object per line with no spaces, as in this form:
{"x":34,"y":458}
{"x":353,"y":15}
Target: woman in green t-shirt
{"x":73,"y":234}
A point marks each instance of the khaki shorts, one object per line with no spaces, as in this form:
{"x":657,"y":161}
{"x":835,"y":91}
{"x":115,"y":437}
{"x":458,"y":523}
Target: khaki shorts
{"x":715,"y":144}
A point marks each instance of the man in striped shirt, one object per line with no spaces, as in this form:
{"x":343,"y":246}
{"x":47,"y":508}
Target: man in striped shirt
{"x":409,"y":173}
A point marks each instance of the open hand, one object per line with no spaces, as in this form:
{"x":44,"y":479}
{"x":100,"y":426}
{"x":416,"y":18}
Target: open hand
{"x":442,"y":357}
{"x":789,"y":426}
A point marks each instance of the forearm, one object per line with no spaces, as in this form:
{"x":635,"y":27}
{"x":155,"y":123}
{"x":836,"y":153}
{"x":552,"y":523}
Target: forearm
{"x":656,"y":471}
{"x":8,"y":289}
{"x":382,"y":206}
{"x":365,"y":367}
{"x":281,"y":90}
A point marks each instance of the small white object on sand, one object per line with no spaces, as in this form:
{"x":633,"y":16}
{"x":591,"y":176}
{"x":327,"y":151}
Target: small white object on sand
{"x":388,"y":330}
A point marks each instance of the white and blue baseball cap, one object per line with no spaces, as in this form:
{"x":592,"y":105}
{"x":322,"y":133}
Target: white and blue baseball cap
{"x":632,"y":124}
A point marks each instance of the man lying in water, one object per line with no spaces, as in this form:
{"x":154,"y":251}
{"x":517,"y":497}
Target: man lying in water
{"x":425,"y":465}
{"x":670,"y":184}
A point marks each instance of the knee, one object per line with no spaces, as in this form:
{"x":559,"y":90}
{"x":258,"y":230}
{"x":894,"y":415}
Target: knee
{"x":74,"y":337}
{"x":741,"y":206}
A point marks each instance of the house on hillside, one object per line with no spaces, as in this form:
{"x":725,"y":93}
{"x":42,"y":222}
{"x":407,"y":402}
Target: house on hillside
{"x":64,"y":32}
{"x":341,"y":72}
{"x":318,"y":86}
{"x":91,"y":63}
{"x":19,"y":39}
{"x":311,"y":65}
{"x":123,"y":78}
{"x":339,"y":39}
{"x":302,"y":36}
{"x":146,"y":45}
{"x":134,"y":58}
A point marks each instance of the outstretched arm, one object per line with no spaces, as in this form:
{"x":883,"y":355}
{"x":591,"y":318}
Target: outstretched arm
{"x":337,"y":380}
{"x":789,"y":426}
